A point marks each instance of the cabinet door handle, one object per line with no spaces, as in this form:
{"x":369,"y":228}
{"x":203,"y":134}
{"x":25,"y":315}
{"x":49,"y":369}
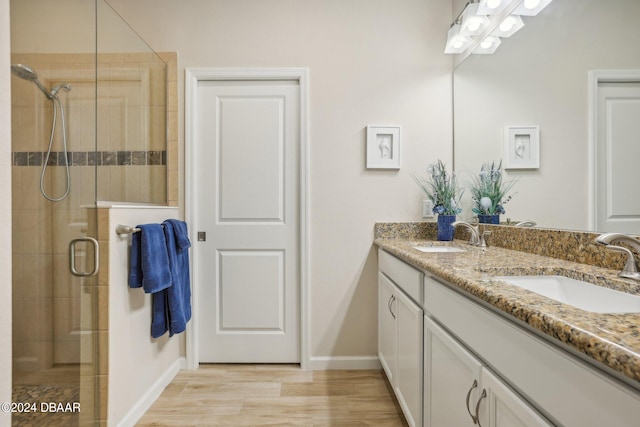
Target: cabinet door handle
{"x":482,"y":396}
{"x":390,"y":305}
{"x":473,"y":417}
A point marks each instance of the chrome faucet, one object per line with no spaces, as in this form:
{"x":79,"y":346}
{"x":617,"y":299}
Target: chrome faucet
{"x":527,"y":223}
{"x":477,"y":238}
{"x":630,"y":270}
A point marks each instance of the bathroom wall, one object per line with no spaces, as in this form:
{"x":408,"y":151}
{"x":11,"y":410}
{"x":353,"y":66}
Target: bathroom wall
{"x":139,"y":367}
{"x":371,"y":62}
{"x":5,"y":213}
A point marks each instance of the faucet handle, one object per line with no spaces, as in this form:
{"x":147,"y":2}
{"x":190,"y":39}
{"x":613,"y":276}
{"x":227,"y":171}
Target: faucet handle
{"x":630,"y":269}
{"x":483,"y":241}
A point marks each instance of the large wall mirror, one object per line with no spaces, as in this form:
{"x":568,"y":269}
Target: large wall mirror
{"x":541,"y":77}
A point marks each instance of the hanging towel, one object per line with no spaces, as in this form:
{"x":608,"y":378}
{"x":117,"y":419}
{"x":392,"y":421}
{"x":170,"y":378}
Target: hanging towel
{"x":149,"y":261}
{"x":178,"y":296}
{"x":181,"y":233}
{"x":159,"y":313}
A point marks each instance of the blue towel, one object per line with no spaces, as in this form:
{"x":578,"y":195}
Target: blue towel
{"x":172,"y":306}
{"x":181,"y":233}
{"x":159,"y":314}
{"x":149,"y":265}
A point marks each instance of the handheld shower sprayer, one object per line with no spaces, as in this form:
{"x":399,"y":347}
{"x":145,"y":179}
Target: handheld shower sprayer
{"x":27,"y":73}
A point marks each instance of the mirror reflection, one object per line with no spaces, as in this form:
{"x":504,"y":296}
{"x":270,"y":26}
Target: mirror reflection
{"x":542,"y":77}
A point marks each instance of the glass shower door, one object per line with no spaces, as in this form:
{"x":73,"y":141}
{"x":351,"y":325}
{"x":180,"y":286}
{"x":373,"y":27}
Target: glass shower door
{"x":55,"y":323}
{"x":89,"y":115}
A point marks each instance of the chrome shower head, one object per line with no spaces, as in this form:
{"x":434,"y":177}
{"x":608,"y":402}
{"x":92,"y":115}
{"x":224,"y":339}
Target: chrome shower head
{"x":24,"y":72}
{"x":27,"y":73}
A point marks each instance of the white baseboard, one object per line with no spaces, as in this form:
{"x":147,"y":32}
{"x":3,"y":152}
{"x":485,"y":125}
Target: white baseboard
{"x":146,"y":400}
{"x":321,"y":363}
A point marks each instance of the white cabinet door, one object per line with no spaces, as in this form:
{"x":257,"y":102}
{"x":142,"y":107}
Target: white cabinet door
{"x":501,"y":407}
{"x":387,"y":346}
{"x":457,"y":387}
{"x":408,"y":385}
{"x":451,"y":379}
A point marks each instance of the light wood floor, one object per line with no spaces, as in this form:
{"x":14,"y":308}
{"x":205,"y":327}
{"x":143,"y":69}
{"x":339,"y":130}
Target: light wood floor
{"x":282,"y":395}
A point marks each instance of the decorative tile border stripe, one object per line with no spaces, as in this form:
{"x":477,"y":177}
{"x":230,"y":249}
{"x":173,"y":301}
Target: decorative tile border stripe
{"x":91,"y":158}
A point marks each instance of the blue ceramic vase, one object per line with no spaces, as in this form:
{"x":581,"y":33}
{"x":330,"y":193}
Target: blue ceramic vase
{"x":445,"y":230}
{"x":489,"y":219}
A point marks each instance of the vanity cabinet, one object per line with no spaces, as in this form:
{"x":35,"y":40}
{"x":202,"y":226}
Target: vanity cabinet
{"x":451,"y":357}
{"x":530,"y":382}
{"x":400,"y":332}
{"x":460,"y":391}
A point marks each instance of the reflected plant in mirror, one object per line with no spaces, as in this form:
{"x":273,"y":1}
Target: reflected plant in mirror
{"x":489,"y":193}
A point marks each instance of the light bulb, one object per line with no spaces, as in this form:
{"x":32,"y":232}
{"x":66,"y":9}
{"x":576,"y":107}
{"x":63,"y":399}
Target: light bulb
{"x":457,"y":44}
{"x":474,"y":25}
{"x":531,"y":4}
{"x":486,"y":44}
{"x":506,"y":25}
{"x":492,"y":4}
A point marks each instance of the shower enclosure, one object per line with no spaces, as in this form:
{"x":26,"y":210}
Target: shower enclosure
{"x":89,"y":124}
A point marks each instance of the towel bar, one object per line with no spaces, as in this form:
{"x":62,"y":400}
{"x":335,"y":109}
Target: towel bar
{"x":126,"y":229}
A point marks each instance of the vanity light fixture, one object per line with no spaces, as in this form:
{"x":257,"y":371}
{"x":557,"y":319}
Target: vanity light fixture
{"x":488,"y":45}
{"x":531,"y":7}
{"x":492,"y":7}
{"x":456,"y":42}
{"x":509,"y":26}
{"x":473,"y":24}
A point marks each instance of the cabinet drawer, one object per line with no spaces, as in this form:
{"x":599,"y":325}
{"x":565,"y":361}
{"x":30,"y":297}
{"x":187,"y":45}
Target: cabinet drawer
{"x":403,"y":275}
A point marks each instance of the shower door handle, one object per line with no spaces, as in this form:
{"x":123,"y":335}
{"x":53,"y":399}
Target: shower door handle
{"x":72,"y":257}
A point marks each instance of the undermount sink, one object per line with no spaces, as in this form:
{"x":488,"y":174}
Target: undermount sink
{"x":577,"y":293}
{"x":438,"y":248}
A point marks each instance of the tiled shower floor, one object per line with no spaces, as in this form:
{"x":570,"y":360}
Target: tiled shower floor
{"x":56,"y":385}
{"x":45,"y":393}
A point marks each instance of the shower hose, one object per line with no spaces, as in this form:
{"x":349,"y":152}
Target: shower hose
{"x":55,"y":101}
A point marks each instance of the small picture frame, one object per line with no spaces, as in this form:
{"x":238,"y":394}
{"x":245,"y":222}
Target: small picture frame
{"x":521,"y":149}
{"x":383,"y":147}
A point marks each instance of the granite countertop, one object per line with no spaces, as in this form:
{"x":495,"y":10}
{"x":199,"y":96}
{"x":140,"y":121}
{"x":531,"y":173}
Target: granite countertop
{"x":609,"y":339}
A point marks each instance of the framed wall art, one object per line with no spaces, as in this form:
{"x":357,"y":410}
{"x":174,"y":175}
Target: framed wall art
{"x":521,"y":147}
{"x":383,"y":147}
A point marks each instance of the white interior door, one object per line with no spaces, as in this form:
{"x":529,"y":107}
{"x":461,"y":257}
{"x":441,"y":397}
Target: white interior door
{"x":247,"y":191}
{"x":617,"y":152}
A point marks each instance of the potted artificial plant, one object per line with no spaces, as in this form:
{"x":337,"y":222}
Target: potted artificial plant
{"x":442,"y":189}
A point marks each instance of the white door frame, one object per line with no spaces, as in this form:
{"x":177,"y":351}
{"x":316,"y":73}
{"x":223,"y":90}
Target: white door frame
{"x":595,"y":78}
{"x":192,"y":77}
